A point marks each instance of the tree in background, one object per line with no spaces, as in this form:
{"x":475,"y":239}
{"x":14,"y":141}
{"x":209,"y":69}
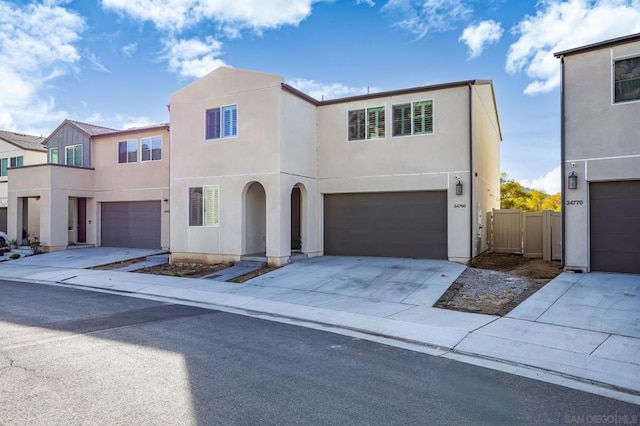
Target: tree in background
{"x":515,"y":196}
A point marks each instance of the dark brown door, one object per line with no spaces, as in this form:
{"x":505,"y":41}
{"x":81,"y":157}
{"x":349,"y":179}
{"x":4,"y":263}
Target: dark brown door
{"x":391,"y":224}
{"x":614,"y":210}
{"x":82,"y":220}
{"x":296,"y":238}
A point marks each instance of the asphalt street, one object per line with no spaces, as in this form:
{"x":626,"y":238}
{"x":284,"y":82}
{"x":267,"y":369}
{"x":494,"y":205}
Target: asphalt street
{"x":70,"y":356}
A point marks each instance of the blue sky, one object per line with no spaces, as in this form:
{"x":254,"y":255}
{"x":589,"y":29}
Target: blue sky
{"x":116,"y":62}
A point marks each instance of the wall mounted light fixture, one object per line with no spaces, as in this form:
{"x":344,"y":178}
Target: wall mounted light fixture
{"x":459,"y":187}
{"x":573,"y":180}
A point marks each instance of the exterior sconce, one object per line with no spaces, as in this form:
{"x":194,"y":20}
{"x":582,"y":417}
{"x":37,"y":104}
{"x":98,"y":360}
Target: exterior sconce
{"x":459,"y":187}
{"x":573,"y":180}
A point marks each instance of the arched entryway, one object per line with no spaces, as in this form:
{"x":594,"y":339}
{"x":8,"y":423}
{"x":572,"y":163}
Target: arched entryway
{"x":255,"y":218}
{"x":298,"y":218}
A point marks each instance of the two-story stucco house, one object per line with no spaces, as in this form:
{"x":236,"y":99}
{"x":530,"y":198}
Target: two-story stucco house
{"x":17,"y":150}
{"x":601,"y":155}
{"x":99,"y":186}
{"x":261,"y":168}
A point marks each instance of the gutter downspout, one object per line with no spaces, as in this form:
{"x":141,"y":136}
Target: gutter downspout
{"x":562,"y":163}
{"x":471,"y":200}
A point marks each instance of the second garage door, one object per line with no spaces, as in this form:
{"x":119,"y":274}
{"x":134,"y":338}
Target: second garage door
{"x":390,"y":224}
{"x":615,"y":227}
{"x":135,"y":224}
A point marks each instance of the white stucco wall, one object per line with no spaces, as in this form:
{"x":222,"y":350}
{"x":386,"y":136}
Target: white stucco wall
{"x":602,"y":142}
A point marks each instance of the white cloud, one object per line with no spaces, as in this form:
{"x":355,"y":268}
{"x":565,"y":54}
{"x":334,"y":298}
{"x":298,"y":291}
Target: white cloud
{"x":176,"y":15}
{"x":129,"y":49}
{"x":37,"y":44}
{"x":193,"y":57}
{"x":323,"y":91}
{"x":476,"y":37}
{"x":422,"y":16}
{"x":550,"y":183}
{"x":119,"y":121}
{"x":367,"y":2}
{"x":560,"y":25}
{"x":96,"y":63}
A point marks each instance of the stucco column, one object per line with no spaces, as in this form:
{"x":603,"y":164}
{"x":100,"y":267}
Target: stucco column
{"x":278,"y":225}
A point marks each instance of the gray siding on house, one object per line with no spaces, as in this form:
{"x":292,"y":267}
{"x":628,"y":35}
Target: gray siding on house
{"x":69,"y":135}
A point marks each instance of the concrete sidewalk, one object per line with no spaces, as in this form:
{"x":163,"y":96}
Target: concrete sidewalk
{"x":391,"y":299}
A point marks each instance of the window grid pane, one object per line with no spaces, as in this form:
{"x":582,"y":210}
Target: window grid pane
{"x":213,"y":123}
{"x":77,"y":156}
{"x":627,"y":80}
{"x":401,"y":120}
{"x":53,"y":155}
{"x":422,"y":117}
{"x":229,"y":121}
{"x":156,"y":148}
{"x":356,"y":125}
{"x":196,"y":206}
{"x":375,"y":122}
{"x":4,"y":166}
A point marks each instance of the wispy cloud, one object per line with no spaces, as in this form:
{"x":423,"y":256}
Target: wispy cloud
{"x":95,"y":62}
{"x":326,"y":91}
{"x":37,"y":44}
{"x":559,"y":25}
{"x":193,"y":57}
{"x":476,"y":37}
{"x":129,"y":49}
{"x":422,"y":16}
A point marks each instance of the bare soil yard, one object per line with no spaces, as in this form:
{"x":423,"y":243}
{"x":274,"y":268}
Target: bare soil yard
{"x":495,"y":283}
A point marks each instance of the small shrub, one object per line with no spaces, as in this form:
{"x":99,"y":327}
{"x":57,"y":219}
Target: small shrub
{"x":15,"y":256}
{"x":177,"y":274}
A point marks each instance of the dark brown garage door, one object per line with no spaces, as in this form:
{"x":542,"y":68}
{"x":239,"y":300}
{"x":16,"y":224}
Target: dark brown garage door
{"x":392,"y":224}
{"x":615,"y":226}
{"x":135,"y":224}
{"x":3,"y":219}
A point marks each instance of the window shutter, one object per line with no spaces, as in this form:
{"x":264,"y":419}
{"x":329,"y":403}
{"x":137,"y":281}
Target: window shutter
{"x":423,"y":117}
{"x":229,"y":121}
{"x":213,"y":123}
{"x":375,"y":122}
{"x":211,"y":211}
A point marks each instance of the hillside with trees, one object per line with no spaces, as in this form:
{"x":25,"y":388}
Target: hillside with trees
{"x":515,"y":196}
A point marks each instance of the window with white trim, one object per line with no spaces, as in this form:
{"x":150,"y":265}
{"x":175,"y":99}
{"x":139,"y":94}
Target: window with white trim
{"x":221,"y":122}
{"x":128,"y":151}
{"x":53,"y":155}
{"x":6,"y":163}
{"x":626,"y":80}
{"x":151,"y":148}
{"x":204,"y":206}
{"x":412,"y":118}
{"x":366,"y":123}
{"x":73,"y":155}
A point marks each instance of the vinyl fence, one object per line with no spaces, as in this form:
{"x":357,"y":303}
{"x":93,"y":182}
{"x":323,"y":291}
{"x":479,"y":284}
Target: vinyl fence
{"x":529,"y":234}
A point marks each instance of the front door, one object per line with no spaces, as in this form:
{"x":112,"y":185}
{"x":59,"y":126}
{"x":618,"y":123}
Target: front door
{"x":73,"y":221}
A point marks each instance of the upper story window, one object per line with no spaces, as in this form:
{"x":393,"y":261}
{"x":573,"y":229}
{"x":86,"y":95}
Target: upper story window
{"x":626,"y":80}
{"x":366,"y":123}
{"x":204,"y":209}
{"x":5,"y":163}
{"x":128,"y":151}
{"x":222,"y":122}
{"x":151,"y":148}
{"x":73,"y":155}
{"x":413,"y":119}
{"x":53,"y":155}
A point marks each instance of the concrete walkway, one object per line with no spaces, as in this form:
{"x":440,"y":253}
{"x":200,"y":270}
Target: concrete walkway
{"x":580,"y":330}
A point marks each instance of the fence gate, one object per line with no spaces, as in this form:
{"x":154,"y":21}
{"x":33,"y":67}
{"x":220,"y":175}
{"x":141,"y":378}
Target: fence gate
{"x":530,"y":234}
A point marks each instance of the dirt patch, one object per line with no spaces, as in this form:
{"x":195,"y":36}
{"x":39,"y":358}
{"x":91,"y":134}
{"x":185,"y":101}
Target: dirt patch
{"x":495,"y":283}
{"x":185,"y":270}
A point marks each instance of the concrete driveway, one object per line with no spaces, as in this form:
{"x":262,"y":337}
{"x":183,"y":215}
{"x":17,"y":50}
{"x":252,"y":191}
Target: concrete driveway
{"x":86,"y":257}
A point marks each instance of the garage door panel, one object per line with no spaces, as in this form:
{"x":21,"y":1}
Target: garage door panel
{"x":135,"y":224}
{"x":614,"y":210}
{"x":407,"y":224}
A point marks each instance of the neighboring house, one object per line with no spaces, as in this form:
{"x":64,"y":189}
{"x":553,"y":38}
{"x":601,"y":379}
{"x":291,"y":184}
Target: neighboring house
{"x":601,"y":155}
{"x":263,"y":169}
{"x":17,"y":150}
{"x":100,"y":186}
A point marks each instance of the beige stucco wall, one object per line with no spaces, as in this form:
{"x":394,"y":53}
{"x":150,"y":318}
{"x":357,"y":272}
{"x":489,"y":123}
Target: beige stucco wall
{"x":8,"y":150}
{"x":230,"y":163}
{"x":408,"y":163}
{"x":139,"y":181}
{"x":486,"y":163}
{"x":601,"y":139}
{"x":53,"y":184}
